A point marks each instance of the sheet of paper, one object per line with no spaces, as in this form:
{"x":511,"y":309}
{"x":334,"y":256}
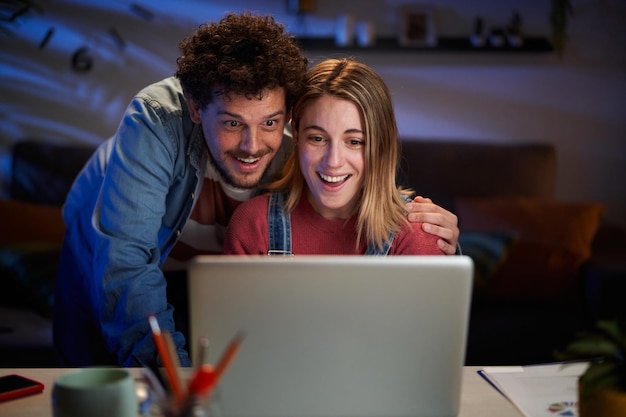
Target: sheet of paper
{"x":539,"y":390}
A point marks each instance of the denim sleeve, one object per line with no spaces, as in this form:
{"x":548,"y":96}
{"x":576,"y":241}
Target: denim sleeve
{"x":128,"y":220}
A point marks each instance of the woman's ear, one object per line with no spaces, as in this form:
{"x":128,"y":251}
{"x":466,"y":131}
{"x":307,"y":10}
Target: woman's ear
{"x":194,"y":109}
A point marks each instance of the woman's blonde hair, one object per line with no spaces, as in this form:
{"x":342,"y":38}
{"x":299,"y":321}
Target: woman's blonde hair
{"x":381,"y":206}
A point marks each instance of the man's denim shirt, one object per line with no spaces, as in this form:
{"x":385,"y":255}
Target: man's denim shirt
{"x":125,"y":212}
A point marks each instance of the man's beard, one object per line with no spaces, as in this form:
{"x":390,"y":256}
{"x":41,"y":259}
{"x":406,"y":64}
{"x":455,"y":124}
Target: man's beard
{"x":228,"y":179}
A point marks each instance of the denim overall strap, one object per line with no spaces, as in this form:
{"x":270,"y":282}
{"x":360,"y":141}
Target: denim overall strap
{"x":278,"y":226}
{"x":373,"y":250}
{"x":279,"y":230}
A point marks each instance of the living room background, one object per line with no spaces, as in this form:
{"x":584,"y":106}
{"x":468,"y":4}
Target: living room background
{"x":576,"y":101}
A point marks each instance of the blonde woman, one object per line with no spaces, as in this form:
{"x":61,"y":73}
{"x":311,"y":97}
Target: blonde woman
{"x":338,"y":193}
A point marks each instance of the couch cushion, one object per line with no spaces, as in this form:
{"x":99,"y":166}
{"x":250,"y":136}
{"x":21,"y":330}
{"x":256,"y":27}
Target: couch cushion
{"x":28,"y":274}
{"x":552,"y":241}
{"x":488,"y":251}
{"x":30,"y":245}
{"x":27,"y":223}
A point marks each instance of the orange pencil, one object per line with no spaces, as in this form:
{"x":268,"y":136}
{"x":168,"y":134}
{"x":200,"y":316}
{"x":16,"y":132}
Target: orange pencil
{"x":227,"y":357}
{"x":167,"y":360}
{"x":171,"y":349}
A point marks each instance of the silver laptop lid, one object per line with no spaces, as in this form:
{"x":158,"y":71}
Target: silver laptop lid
{"x":331,"y":336}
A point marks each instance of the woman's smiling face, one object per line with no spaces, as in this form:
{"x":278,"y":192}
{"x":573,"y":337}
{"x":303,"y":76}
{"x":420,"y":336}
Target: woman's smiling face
{"x":331,"y":151}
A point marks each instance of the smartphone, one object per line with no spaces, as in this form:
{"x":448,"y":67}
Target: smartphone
{"x":15,"y":386}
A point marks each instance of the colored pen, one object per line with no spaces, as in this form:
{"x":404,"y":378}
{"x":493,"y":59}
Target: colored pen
{"x":227,"y":357}
{"x":206,"y":377}
{"x":202,"y":382}
{"x":172,"y":374}
{"x":203,"y":351}
{"x":171,"y":349}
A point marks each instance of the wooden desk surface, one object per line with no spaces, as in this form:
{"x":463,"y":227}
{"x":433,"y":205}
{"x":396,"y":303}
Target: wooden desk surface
{"x":478,"y":398}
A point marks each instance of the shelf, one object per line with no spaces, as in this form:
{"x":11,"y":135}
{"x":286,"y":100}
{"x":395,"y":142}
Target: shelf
{"x":444,"y":44}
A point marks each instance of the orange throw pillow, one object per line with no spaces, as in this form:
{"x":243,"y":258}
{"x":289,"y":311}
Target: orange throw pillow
{"x":30,"y":223}
{"x":553,"y":240}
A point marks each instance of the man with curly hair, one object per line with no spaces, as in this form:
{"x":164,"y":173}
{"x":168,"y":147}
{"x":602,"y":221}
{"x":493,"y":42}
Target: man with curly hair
{"x":187,"y":152}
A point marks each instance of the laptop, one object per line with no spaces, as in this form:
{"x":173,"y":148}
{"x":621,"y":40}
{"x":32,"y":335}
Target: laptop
{"x":333,"y":336}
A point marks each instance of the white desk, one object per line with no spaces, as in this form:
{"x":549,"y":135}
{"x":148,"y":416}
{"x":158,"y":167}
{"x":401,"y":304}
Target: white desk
{"x":478,"y":398}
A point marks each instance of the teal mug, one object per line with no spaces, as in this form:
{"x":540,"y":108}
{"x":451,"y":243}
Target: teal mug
{"x":95,"y":392}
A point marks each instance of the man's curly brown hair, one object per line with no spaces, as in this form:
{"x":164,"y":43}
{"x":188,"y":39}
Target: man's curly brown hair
{"x":241,"y":54}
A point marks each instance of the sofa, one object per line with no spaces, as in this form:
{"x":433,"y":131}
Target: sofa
{"x":30,"y":241}
{"x":544,"y":269}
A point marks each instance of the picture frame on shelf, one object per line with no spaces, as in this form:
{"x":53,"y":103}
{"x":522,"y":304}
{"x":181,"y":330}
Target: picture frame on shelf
{"x":417,"y":26}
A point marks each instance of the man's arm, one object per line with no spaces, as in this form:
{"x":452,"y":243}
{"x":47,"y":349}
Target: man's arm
{"x":128,"y":220}
{"x":436,"y":221}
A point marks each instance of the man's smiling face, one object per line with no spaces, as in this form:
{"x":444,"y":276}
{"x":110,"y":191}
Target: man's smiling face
{"x":243,"y":134}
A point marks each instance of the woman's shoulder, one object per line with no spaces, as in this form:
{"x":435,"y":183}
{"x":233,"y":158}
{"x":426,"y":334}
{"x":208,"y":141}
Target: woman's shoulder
{"x":246,"y":232}
{"x":249,"y":213}
{"x":413,"y":240}
{"x":256,"y":205}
